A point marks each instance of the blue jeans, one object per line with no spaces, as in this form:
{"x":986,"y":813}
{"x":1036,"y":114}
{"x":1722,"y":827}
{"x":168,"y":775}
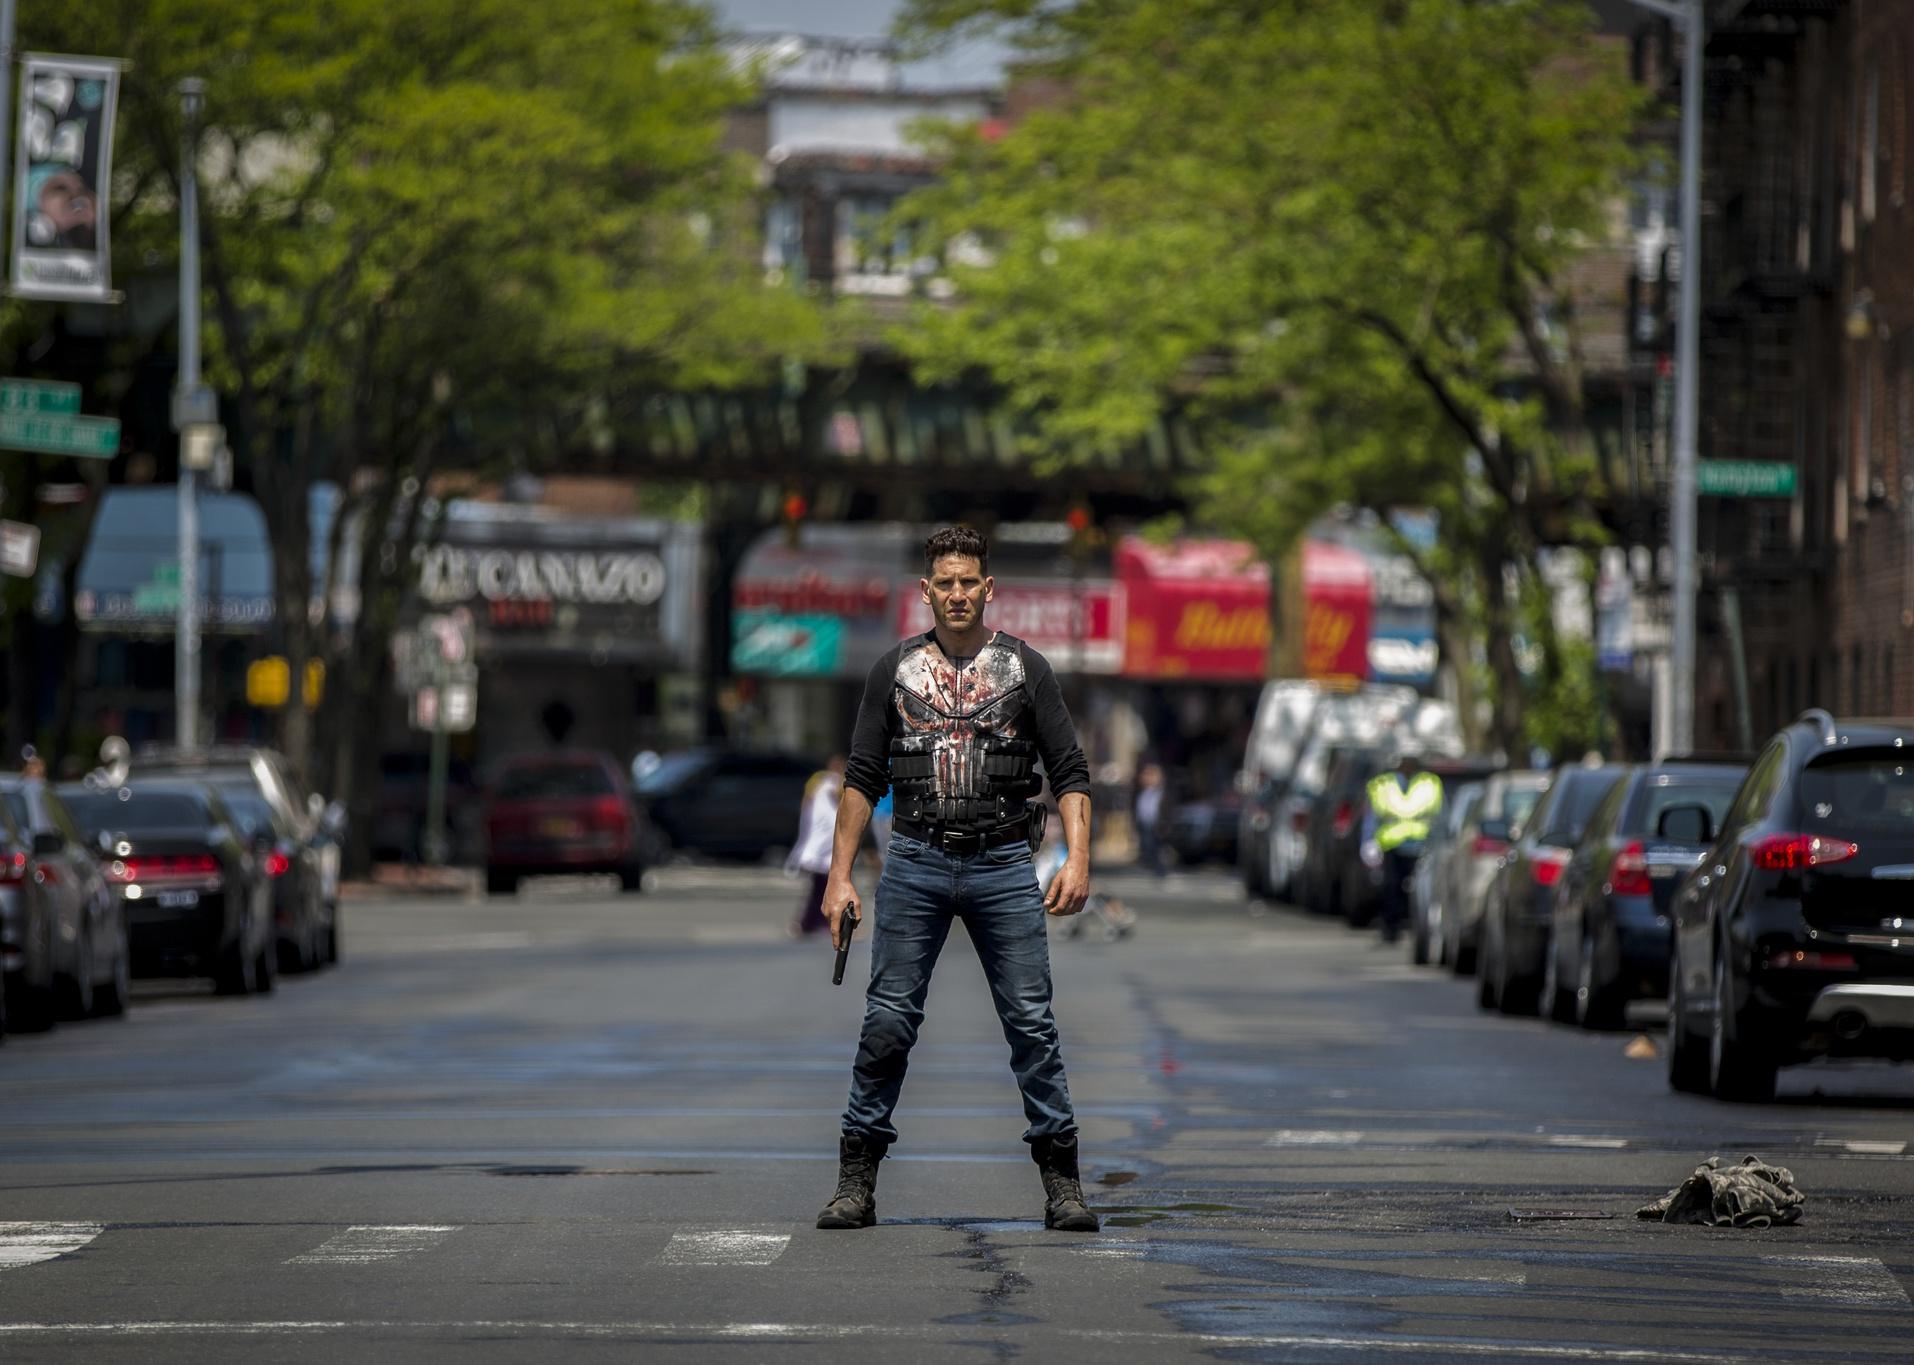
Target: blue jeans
{"x":995,"y":894}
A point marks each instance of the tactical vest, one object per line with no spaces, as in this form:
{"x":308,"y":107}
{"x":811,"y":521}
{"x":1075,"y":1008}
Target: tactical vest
{"x":1403,"y":815}
{"x":958,"y":760}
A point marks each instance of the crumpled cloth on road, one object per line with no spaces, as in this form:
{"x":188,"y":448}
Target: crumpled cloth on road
{"x":1752,"y":1194}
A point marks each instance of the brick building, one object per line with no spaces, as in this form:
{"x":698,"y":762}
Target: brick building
{"x":1807,"y":358}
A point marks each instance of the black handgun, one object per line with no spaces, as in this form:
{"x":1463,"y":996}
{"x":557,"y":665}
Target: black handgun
{"x":847,"y":926}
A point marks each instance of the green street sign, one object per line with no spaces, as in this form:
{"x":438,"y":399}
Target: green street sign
{"x":93,"y":438}
{"x":1744,"y":478}
{"x":38,"y":395}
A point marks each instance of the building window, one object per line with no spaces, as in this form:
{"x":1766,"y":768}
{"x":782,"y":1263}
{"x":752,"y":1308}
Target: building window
{"x":872,"y":260}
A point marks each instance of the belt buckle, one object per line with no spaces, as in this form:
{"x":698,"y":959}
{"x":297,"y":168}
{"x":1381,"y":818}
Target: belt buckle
{"x":953,"y":841}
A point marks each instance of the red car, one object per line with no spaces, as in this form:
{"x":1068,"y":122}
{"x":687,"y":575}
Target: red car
{"x":559,"y":812}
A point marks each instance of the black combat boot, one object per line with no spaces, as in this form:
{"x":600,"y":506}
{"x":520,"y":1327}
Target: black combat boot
{"x":855,"y":1203}
{"x":1063,"y":1206}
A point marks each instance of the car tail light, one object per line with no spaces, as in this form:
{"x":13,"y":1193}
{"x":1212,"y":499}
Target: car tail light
{"x":46,"y":874}
{"x":277,"y":864}
{"x":1547,"y":864}
{"x":608,"y":812}
{"x":1812,"y":961}
{"x":1629,"y":875}
{"x":13,"y":869}
{"x":1798,"y":852}
{"x":1345,"y":817}
{"x":152,"y":867}
{"x":1485,"y":847}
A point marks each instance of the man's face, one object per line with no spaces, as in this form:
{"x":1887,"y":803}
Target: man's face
{"x":957,"y":590}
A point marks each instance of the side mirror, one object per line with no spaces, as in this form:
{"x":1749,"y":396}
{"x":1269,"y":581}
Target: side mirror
{"x":333,"y":820}
{"x":47,"y":842}
{"x":105,"y":842}
{"x":1687,"y":825}
{"x":315,"y":805}
{"x":1495,"y":829}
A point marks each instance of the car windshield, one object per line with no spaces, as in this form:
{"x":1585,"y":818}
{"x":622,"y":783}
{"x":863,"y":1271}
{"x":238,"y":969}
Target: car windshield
{"x":132,"y":810}
{"x":249,"y":809}
{"x":668,"y":772}
{"x":1859,"y":794}
{"x":1581,"y":793}
{"x":535,"y":781}
{"x":1715,"y":794}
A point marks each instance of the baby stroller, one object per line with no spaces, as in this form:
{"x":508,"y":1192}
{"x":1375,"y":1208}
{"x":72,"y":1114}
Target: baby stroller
{"x":1118,"y":920}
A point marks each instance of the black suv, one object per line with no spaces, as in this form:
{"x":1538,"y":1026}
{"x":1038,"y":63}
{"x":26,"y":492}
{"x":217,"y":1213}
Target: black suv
{"x":1794,"y":938}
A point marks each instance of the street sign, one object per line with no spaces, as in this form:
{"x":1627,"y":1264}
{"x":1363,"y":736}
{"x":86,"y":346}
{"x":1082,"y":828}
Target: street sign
{"x":38,"y":395}
{"x":451,"y":709}
{"x":19,"y":548}
{"x":1744,"y":478}
{"x":92,"y":438}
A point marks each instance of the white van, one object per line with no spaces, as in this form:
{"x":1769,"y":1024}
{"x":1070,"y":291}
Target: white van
{"x":1286,"y":761}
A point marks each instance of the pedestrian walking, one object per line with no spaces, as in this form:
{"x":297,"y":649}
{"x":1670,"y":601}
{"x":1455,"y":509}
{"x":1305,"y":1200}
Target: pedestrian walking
{"x":811,"y":853}
{"x":1403,"y":805}
{"x":955,"y":722}
{"x":1149,"y":817}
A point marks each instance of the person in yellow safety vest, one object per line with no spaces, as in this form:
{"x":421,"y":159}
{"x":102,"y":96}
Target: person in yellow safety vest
{"x":1403,"y":805}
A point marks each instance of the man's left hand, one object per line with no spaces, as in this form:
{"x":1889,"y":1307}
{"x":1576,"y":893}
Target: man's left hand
{"x":1069,"y":889}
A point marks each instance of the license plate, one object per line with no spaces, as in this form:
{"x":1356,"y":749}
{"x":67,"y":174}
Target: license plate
{"x":175,"y":900}
{"x":560,"y":829}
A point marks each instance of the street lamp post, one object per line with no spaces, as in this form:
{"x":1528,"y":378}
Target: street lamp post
{"x":1680,"y":736}
{"x":194,"y":412}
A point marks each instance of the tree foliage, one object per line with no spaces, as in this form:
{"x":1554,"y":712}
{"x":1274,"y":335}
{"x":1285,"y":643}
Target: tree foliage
{"x":434,"y":233}
{"x":1344,"y":233}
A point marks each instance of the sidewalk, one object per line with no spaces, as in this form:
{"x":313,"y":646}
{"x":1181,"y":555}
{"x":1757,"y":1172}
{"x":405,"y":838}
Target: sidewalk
{"x":411,"y":879}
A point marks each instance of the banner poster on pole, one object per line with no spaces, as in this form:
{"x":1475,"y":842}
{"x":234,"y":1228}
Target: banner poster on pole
{"x":62,"y":178}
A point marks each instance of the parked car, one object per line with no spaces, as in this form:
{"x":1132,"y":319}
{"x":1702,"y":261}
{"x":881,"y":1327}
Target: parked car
{"x":398,"y":825}
{"x":1448,"y":842}
{"x":1515,"y":908}
{"x":567,"y":810}
{"x":726,"y":803}
{"x":1794,"y":938}
{"x":195,"y":892}
{"x":1609,"y":939}
{"x":1334,"y":829}
{"x":1204,"y":829}
{"x":299,"y":812}
{"x":1461,"y":880}
{"x":306,"y":929}
{"x":61,"y":930}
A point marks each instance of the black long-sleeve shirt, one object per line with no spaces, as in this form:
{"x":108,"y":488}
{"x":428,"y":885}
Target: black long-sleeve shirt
{"x":1008,"y":689}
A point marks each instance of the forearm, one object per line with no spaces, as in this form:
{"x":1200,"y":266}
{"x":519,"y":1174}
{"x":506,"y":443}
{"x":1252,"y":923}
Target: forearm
{"x":1075,"y":809}
{"x":853,"y":818}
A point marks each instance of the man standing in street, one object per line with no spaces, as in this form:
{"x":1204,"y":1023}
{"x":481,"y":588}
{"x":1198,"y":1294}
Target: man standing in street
{"x":954,"y":722}
{"x":1403,"y":805}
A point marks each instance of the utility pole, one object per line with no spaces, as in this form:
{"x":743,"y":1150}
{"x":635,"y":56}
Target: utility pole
{"x":195,"y":413}
{"x":1691,"y":16}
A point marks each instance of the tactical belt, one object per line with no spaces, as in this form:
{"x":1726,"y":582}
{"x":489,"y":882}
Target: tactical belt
{"x":962,"y":840}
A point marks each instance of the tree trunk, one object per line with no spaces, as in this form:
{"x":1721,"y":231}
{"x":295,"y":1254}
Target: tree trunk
{"x":1505,"y":673}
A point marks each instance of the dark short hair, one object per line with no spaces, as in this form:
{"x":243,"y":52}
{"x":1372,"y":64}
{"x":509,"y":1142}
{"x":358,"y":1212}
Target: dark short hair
{"x":956,"y":540}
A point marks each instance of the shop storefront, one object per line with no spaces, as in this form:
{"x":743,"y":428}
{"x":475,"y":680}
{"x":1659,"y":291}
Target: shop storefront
{"x":584,"y":630}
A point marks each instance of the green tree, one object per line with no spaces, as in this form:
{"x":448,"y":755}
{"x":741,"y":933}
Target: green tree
{"x":1345,"y":234}
{"x":434,"y":233}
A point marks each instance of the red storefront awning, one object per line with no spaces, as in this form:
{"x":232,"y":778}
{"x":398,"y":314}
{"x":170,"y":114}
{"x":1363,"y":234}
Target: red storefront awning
{"x":1198,"y":609}
{"x":1338,"y":602}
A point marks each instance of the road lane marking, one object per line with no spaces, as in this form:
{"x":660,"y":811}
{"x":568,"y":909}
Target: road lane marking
{"x":727,"y":1247}
{"x":1579,"y":1140}
{"x":1165,"y":1342}
{"x":1863,"y":1146}
{"x":366,"y":1243}
{"x":30,"y":1243}
{"x":1312,"y":1137}
{"x":1858,"y":1281}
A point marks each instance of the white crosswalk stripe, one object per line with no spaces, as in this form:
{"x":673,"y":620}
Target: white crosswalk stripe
{"x":29,"y":1243}
{"x":1859,"y":1281}
{"x":727,"y":1247}
{"x":365,"y":1244}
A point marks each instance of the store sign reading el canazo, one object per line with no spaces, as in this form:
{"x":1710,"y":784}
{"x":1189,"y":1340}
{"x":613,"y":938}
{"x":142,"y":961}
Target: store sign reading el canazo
{"x":455,"y":573}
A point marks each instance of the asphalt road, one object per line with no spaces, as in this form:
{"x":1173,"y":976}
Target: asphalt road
{"x":573,"y":1126}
